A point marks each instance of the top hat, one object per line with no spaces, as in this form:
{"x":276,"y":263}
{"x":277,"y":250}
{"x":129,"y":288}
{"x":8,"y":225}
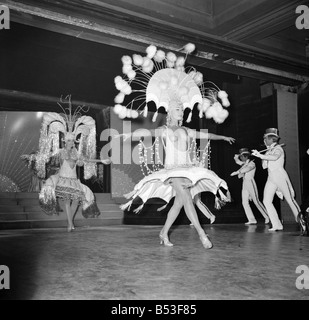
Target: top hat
{"x":271,"y":132}
{"x":244,"y":151}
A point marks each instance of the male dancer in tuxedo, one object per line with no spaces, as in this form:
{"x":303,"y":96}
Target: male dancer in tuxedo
{"x":249,"y":189}
{"x":278,"y":180}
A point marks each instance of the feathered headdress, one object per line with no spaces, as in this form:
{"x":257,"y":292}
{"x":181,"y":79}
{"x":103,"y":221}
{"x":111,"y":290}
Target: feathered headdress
{"x":71,"y":125}
{"x":162,"y":77}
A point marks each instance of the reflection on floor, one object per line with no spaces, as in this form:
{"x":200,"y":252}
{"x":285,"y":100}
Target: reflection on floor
{"x":127,"y":263}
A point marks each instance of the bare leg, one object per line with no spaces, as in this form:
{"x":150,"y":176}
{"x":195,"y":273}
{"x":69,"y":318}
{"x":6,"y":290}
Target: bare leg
{"x":192,"y":215}
{"x":185,"y":195}
{"x":204,"y":209}
{"x":191,"y":212}
{"x":69,"y":215}
{"x":171,"y":217}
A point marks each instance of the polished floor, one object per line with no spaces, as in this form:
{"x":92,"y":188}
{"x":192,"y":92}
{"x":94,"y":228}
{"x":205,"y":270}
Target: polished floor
{"x":126,"y":262}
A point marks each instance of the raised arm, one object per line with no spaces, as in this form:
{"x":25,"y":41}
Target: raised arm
{"x":237,"y":160}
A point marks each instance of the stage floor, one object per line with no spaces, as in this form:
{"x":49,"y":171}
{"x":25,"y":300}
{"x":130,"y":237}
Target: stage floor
{"x":127,"y":263}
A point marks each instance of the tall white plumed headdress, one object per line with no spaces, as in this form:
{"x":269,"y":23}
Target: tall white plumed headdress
{"x":71,"y":125}
{"x":162,"y":77}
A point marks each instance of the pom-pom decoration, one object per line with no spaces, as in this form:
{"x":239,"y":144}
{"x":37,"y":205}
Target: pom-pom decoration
{"x":189,"y":47}
{"x":162,"y":77}
{"x":151,"y":51}
{"x":126,"y":60}
{"x":119,"y":98}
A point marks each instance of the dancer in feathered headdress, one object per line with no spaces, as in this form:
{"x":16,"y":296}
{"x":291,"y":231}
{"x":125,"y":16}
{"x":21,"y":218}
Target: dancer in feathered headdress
{"x":75,"y":129}
{"x":164,"y":79}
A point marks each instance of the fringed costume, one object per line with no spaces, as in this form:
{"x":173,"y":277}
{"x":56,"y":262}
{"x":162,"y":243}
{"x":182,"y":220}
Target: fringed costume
{"x":65,"y":184}
{"x":178,"y":164}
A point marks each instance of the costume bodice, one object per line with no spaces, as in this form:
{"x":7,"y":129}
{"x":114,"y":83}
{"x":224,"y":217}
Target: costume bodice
{"x":173,"y":156}
{"x":66,"y":169}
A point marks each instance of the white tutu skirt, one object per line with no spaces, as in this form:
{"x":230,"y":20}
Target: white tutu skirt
{"x":67,"y":189}
{"x":157,"y":185}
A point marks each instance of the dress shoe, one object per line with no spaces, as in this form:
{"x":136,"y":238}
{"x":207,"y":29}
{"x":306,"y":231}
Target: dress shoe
{"x":302,"y":223}
{"x":212,"y":219}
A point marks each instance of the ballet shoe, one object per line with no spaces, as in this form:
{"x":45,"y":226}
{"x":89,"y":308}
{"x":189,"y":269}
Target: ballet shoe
{"x":275,"y":229}
{"x":207,"y":244}
{"x":266,"y":221}
{"x":70,"y":228}
{"x":212,"y":220}
{"x":164,"y":240}
{"x":250,"y":222}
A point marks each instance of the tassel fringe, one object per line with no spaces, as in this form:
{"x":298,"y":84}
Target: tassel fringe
{"x":91,"y":211}
{"x":126,"y":206}
{"x":47,"y":200}
{"x":138,"y":209}
{"x":207,"y":213}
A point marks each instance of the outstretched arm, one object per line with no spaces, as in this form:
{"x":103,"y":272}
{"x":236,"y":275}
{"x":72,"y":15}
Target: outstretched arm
{"x":140,"y":133}
{"x":210,"y":136}
{"x":269,"y":157}
{"x":104,"y":161}
{"x":246,"y":168}
{"x":213,"y":136}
